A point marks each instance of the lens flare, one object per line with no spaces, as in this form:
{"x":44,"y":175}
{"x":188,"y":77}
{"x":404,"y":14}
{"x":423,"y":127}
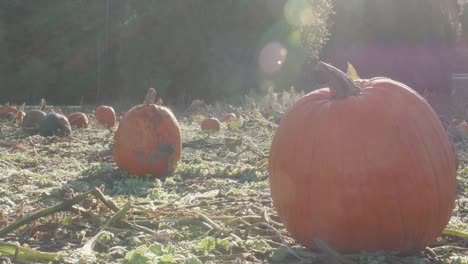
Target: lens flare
{"x":272,"y":57}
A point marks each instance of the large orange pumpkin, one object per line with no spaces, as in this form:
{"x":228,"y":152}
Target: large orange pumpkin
{"x":105,"y":115}
{"x":148,"y":141}
{"x":362,"y":165}
{"x":78,"y":119}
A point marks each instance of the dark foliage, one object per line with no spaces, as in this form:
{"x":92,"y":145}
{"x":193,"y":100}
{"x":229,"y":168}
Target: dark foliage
{"x":94,"y":52}
{"x":100,"y":51}
{"x":410,"y":41}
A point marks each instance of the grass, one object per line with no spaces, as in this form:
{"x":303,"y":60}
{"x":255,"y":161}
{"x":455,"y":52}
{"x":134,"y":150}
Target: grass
{"x":215,"y":208}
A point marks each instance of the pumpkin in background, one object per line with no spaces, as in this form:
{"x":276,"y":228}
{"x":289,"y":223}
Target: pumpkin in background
{"x":8,"y":109}
{"x":20,"y":116}
{"x":456,"y":121}
{"x":78,"y":119}
{"x":7,"y":112}
{"x":229,"y":117}
{"x":362,"y":165}
{"x":462,"y":127}
{"x":148,"y":141}
{"x":33,"y":118}
{"x":210,"y":124}
{"x":105,"y":115}
{"x":54,"y":124}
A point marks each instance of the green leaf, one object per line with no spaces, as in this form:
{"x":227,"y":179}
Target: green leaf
{"x":66,"y":221}
{"x":235,"y":124}
{"x":208,"y":244}
{"x":279,"y":254}
{"x":157,"y":249}
{"x":224,"y":244}
{"x":192,"y":260}
{"x":167,"y":259}
{"x":258,"y":245}
{"x":106,"y":237}
{"x":140,"y":256}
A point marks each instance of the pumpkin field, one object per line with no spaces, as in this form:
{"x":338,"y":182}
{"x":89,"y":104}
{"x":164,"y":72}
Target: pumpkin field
{"x":64,"y":200}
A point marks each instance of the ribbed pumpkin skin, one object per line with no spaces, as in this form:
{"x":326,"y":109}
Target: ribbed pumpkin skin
{"x":105,"y":115}
{"x":369,"y":172}
{"x":210,"y":124}
{"x":78,"y":119}
{"x":148,"y":141}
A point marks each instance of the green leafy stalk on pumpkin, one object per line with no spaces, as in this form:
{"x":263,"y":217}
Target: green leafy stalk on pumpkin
{"x":24,"y":253}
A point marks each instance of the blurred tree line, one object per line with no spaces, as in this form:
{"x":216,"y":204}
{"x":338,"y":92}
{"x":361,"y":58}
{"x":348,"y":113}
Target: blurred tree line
{"x":74,"y":51}
{"x":110,"y":50}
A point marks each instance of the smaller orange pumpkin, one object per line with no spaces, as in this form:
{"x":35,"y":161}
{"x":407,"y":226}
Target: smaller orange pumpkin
{"x":210,"y":124}
{"x":78,"y":119}
{"x":147,"y":140}
{"x":105,"y":115}
{"x":229,"y":117}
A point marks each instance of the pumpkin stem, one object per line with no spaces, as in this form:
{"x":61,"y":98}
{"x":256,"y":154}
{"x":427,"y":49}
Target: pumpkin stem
{"x":341,"y":85}
{"x":150,"y":96}
{"x":42,"y":104}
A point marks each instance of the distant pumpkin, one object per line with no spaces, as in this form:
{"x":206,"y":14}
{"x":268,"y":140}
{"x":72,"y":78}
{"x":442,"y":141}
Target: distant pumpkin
{"x":33,"y":118}
{"x":462,"y":127}
{"x":20,"y":116}
{"x":456,"y":121}
{"x":54,"y":124}
{"x":78,"y":119}
{"x":229,"y":117}
{"x":148,"y":140}
{"x":8,"y":109}
{"x":105,"y":115}
{"x":7,"y":112}
{"x":210,"y":124}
